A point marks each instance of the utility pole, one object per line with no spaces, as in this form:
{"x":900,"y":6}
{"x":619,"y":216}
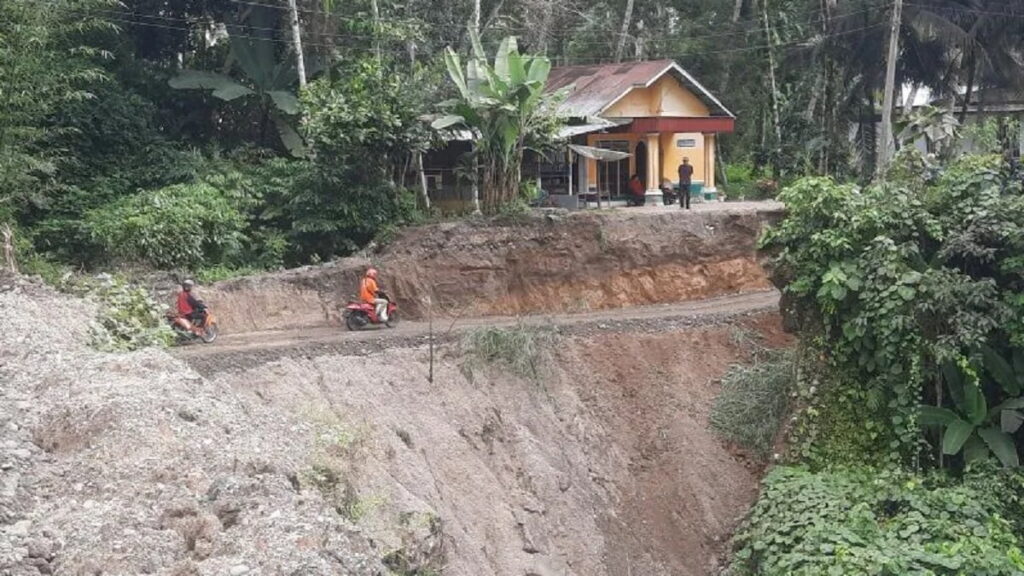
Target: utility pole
{"x":888,"y":145}
{"x":300,"y":63}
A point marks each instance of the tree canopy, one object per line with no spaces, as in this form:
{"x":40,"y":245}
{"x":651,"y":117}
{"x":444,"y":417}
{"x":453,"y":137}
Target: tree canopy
{"x":105,"y":100}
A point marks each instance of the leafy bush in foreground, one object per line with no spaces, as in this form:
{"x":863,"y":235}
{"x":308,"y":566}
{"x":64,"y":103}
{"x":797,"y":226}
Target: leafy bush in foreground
{"x":863,"y":522}
{"x":128,"y":318}
{"x":895,"y":281}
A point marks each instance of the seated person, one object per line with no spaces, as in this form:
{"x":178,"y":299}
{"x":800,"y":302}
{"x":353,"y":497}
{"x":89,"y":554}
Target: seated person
{"x":636,"y":191}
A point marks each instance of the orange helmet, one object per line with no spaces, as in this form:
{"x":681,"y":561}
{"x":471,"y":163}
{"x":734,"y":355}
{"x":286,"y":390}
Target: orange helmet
{"x":371,"y":273}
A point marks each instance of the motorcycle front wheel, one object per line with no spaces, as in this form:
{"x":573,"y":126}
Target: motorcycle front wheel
{"x":209,"y":333}
{"x":352,"y":323}
{"x":392,"y":320}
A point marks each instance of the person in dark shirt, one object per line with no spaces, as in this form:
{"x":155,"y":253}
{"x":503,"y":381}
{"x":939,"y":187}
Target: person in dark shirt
{"x":685,"y":178}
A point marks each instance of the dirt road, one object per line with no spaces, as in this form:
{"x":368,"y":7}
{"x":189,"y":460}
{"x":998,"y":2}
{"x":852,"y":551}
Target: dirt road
{"x":241,"y":350}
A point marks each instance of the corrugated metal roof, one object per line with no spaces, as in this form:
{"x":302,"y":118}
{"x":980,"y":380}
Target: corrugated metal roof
{"x":595,"y":88}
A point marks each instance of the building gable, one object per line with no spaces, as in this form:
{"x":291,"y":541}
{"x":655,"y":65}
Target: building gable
{"x":666,"y":97}
{"x":661,"y":87}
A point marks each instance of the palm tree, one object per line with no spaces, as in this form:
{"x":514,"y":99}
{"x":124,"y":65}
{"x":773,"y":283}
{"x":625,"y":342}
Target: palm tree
{"x":505,"y":106}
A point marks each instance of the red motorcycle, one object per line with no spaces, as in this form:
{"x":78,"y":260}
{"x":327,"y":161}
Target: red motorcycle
{"x":359,"y":314}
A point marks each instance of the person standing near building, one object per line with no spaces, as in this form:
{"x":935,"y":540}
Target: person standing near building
{"x":685,"y":178}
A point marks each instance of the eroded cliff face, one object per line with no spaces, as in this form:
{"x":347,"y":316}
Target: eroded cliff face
{"x":601,"y":465}
{"x":532,"y":264}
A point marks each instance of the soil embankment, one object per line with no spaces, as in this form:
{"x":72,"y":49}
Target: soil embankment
{"x":601,"y":466}
{"x":537,"y":263}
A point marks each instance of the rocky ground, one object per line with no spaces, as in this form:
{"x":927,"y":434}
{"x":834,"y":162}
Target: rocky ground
{"x":134,"y":464}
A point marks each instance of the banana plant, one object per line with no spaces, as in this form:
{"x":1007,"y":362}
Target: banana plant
{"x":505,"y":107}
{"x":974,"y":428}
{"x":267,"y":81}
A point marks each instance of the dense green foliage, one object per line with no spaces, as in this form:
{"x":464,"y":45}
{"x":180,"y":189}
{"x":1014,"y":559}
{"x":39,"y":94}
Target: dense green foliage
{"x":101,"y":164}
{"x":179,"y":225}
{"x":901,"y":291}
{"x":101,"y":101}
{"x":858,"y":522}
{"x":898,"y":281}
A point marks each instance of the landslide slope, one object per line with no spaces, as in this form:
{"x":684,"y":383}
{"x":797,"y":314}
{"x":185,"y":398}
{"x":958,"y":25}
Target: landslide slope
{"x":602,"y":465}
{"x":355,"y":464}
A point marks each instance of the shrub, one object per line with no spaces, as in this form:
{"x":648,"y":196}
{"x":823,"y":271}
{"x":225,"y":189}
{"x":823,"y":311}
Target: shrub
{"x":897,"y":279}
{"x":181,"y":226}
{"x":867,"y":522}
{"x":524,"y":350}
{"x":128,"y":317}
{"x":745,"y":182}
{"x":754,"y":402}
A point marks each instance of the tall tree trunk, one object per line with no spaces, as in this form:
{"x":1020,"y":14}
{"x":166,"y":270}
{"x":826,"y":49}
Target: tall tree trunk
{"x":300,"y":62}
{"x":776,"y":119}
{"x":972,"y":66}
{"x":737,"y":9}
{"x":626,"y":18}
{"x":887,"y":145}
{"x":493,"y":15}
{"x":10,"y":262}
{"x":423,"y":180}
{"x":475,"y":22}
{"x":908,"y":104}
{"x":375,"y":8}
{"x":545,"y":27}
{"x":723,"y":85}
{"x":640,"y":41}
{"x":868,"y":131}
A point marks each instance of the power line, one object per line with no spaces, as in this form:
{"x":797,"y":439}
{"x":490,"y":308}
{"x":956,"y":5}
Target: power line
{"x":790,"y":45}
{"x":965,"y":9}
{"x":121,"y":17}
{"x":615,"y":31}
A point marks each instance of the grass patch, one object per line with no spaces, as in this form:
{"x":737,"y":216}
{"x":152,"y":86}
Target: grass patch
{"x":524,"y":350}
{"x":754,"y":401}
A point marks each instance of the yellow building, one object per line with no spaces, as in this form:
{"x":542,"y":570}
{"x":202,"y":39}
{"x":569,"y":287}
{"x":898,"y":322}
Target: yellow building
{"x":655,"y":111}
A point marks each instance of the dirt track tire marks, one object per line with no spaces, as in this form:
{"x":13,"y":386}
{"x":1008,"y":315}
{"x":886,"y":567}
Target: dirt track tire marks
{"x":246,"y":350}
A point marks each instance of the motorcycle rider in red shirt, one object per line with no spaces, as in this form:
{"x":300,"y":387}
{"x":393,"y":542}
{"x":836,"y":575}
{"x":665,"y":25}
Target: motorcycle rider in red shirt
{"x":188,"y":306}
